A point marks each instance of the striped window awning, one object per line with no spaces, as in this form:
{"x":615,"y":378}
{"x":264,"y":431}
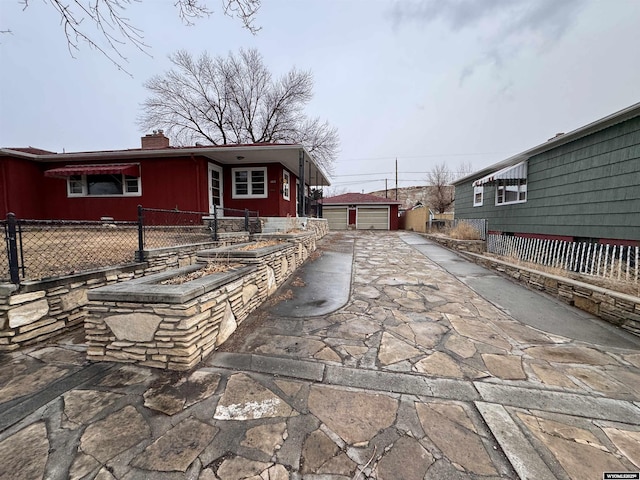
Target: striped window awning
{"x":132,"y":169}
{"x":514,"y":172}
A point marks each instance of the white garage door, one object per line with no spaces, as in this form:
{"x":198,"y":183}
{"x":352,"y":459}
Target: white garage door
{"x":373,"y":218}
{"x":336,"y":216}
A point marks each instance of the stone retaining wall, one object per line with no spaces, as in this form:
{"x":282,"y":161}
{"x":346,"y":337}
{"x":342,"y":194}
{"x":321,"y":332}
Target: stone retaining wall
{"x":161,"y":259}
{"x":618,"y":308}
{"x":37,"y":311}
{"x":174,"y":336}
{"x":320,"y":226}
{"x":305,"y":244}
{"x":474,"y":246}
{"x":134,"y":328}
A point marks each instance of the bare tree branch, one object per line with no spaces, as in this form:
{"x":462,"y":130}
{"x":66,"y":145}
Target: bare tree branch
{"x":441,"y":191}
{"x":235,"y":99}
{"x":80,"y":18}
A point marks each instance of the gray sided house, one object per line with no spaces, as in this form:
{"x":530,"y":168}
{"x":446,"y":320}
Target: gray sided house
{"x":580,"y":186}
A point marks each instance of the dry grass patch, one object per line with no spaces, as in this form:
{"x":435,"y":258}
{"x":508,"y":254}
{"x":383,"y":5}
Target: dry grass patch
{"x":621,"y":286}
{"x":209,"y":269}
{"x":463,"y":231}
{"x":260,"y":244}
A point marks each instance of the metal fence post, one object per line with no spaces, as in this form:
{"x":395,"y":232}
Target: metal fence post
{"x":246,"y":219}
{"x":215,"y":223}
{"x":12,"y":249}
{"x":140,"y":253}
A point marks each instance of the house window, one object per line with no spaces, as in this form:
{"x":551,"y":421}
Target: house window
{"x":249,"y":182}
{"x":478,"y":194}
{"x":286,"y":185}
{"x":75,"y":185}
{"x":103,"y":185}
{"x":511,"y":191}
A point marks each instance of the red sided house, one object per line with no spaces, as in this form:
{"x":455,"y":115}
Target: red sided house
{"x":38,"y":184}
{"x":361,"y":212}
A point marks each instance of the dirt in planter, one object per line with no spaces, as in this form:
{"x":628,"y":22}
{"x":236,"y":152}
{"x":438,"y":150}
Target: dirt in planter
{"x":260,"y":244}
{"x":209,"y":269}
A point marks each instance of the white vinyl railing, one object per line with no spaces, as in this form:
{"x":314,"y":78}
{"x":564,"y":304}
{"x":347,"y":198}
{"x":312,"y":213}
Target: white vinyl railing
{"x":615,"y":262}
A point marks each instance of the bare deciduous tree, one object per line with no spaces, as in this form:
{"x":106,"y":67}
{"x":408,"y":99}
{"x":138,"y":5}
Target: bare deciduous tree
{"x":235,"y":99}
{"x":441,"y":191}
{"x":113,"y":30}
{"x":464,"y":169}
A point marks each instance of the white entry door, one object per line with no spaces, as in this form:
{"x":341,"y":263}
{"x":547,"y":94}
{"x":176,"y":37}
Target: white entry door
{"x":215,"y":190}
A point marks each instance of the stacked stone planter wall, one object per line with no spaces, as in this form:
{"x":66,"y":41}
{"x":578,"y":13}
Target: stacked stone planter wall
{"x":618,"y":308}
{"x":176,"y":327}
{"x":305,"y":244}
{"x":474,"y":246}
{"x":172,"y":327}
{"x":161,"y":259}
{"x":41,"y":310}
{"x":320,"y":226}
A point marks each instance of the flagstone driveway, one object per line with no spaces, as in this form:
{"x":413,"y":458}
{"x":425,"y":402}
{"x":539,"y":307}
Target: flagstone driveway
{"x":416,"y":377}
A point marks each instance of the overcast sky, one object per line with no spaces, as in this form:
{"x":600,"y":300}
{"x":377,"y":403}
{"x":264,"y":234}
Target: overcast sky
{"x":421,"y":81}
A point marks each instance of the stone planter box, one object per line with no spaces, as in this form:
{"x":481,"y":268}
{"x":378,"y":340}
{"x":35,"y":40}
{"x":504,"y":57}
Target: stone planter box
{"x":304,"y":241}
{"x":177,"y":326}
{"x":171,"y":326}
{"x":279,"y":261}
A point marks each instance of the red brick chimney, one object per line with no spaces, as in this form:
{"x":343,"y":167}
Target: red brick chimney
{"x":154,"y":140}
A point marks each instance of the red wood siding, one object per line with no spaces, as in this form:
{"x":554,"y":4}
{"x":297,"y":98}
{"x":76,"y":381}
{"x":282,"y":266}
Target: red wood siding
{"x":21,"y":188}
{"x":166,"y":183}
{"x":272,"y":206}
{"x":352,"y":216}
{"x":393,"y":218}
{"x":180,"y":182}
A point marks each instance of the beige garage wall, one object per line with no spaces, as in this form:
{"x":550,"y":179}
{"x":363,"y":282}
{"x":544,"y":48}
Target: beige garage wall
{"x":417,"y":219}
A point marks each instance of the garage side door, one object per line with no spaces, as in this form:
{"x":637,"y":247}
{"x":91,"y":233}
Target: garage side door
{"x":336,"y":216}
{"x":373,"y":218}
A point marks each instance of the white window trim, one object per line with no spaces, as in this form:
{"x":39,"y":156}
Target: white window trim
{"x":249,"y":184}
{"x":522,"y":187}
{"x":476,"y":190}
{"x":85,"y":189}
{"x":286,"y":180}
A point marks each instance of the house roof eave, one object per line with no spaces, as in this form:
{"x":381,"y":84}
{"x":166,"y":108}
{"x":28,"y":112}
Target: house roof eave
{"x":288,"y":156}
{"x":601,"y":124}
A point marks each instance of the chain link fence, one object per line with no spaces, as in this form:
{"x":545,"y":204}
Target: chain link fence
{"x":4,"y":259}
{"x":38,"y":249}
{"x":173,"y":228}
{"x":51,"y":248}
{"x":480,"y":224}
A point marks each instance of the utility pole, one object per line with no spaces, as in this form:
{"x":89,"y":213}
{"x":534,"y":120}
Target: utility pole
{"x":386,"y":189}
{"x":396,"y":179}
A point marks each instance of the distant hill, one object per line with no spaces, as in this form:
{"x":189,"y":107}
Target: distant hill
{"x":410,"y":196}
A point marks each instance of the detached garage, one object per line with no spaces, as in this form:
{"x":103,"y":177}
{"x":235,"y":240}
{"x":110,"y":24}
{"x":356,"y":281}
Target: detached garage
{"x":358,"y":211}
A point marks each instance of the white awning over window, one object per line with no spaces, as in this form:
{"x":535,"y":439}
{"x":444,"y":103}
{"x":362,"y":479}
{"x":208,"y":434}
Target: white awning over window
{"x":514,"y":172}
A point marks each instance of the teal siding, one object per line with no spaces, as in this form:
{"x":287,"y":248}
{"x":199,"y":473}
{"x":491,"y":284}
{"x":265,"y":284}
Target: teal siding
{"x":586,"y":188}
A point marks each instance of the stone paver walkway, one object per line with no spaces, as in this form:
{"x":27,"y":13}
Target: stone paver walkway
{"x":416,"y":377}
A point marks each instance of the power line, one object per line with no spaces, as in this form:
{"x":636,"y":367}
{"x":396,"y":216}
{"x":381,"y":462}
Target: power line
{"x":389,"y":173}
{"x":431,"y":155}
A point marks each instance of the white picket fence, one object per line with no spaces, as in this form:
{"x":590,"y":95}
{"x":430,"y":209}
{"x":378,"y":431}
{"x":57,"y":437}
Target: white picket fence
{"x":614,"y":262}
